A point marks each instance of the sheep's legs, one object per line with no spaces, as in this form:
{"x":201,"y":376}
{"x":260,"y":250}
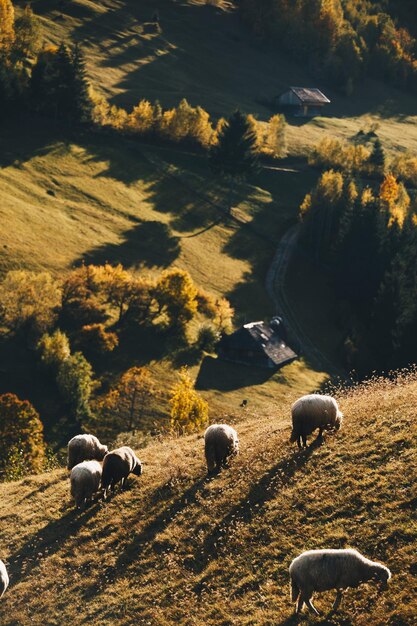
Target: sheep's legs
{"x":304,"y":438}
{"x":300,"y":604}
{"x":337,"y":601}
{"x":311,"y":606}
{"x":299,"y":441}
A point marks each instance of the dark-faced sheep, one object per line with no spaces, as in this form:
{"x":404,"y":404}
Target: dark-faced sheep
{"x":85,"y":481}
{"x":84,"y":448}
{"x":117,"y":466}
{"x":322,"y":570}
{"x":220,"y":442}
{"x":4,"y":578}
{"x":312,"y":412}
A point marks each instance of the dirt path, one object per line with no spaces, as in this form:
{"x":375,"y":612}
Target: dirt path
{"x":275,"y":285}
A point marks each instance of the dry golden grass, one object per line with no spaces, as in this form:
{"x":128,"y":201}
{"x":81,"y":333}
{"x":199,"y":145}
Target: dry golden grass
{"x":176,"y":548}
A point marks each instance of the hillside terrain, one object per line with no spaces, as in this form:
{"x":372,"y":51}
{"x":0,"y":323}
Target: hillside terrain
{"x":205,"y":54}
{"x":177,"y":547}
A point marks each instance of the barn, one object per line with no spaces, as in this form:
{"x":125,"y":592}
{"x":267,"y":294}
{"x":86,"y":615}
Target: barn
{"x":260,"y":344}
{"x":303,"y":101}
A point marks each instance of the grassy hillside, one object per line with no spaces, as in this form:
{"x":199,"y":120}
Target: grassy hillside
{"x":68,"y":198}
{"x":205,"y":54}
{"x":179,"y":548}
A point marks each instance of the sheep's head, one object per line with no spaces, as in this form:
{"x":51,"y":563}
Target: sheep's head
{"x":138,"y":469}
{"x":381,"y":575}
{"x":102,"y":453}
{"x":293,"y":437}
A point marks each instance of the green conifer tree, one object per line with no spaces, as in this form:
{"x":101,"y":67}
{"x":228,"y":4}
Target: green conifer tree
{"x":235,"y":156}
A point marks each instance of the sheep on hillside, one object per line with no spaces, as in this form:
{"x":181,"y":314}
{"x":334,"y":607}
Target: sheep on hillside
{"x":85,"y":481}
{"x":4,"y":578}
{"x":220,"y":442}
{"x":117,"y":466}
{"x":322,"y":570}
{"x":311,"y":412}
{"x":84,"y":448}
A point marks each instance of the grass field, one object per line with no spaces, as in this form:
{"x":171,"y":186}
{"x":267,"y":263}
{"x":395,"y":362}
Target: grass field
{"x":179,"y":548}
{"x":68,"y":198}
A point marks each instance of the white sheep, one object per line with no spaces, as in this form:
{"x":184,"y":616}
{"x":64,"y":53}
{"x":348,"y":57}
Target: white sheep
{"x":311,"y":412}
{"x":117,"y":466}
{"x":4,"y":578}
{"x":322,"y":570}
{"x":84,"y":448}
{"x":85,"y":481}
{"x":220,"y":442}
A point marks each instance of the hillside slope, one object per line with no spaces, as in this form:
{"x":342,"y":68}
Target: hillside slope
{"x":178,"y":548}
{"x":206,"y":55}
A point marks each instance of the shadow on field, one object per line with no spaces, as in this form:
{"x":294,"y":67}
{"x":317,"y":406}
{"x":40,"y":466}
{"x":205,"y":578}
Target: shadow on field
{"x":49,"y":540}
{"x":149,"y":244}
{"x":294,"y":620}
{"x":227,"y":376}
{"x":261,"y":492}
{"x":157,"y":525}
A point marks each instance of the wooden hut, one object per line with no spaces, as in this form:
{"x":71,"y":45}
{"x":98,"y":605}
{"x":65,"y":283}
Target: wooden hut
{"x":303,"y":101}
{"x":260,"y":344}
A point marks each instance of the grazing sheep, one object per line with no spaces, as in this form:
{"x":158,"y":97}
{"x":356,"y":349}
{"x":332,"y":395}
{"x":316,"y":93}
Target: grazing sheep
{"x":322,"y":570}
{"x":84,"y":448}
{"x":220,"y":442}
{"x":4,"y":578}
{"x":311,"y":412}
{"x":85,"y":481}
{"x":117,"y":466}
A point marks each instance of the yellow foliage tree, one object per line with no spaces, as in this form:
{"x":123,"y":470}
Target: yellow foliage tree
{"x":141,"y":118}
{"x":21,"y":438}
{"x":177,"y":296}
{"x":115,"y":283}
{"x":189,"y":411}
{"x":124,"y":408}
{"x":7,"y":32}
{"x":274,"y":139}
{"x":29,"y":300}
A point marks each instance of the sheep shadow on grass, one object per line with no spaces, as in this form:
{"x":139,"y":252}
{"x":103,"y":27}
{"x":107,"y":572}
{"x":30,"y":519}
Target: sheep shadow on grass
{"x":304,"y":618}
{"x":49,"y":540}
{"x":260,"y":493}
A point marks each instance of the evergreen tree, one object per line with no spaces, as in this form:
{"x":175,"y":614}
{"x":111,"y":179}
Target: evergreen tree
{"x":82,"y":103}
{"x":377,"y":157}
{"x":235,"y":156}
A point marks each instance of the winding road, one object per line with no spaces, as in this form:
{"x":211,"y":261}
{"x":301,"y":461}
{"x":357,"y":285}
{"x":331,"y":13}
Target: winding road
{"x":275,"y":285}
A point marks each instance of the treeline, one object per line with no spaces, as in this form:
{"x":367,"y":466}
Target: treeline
{"x":367,"y":239}
{"x":71,"y":324}
{"x":51,"y":81}
{"x":341,"y":40}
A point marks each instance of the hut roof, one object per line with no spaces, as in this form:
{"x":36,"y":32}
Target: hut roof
{"x":310,"y":95}
{"x":260,"y":338}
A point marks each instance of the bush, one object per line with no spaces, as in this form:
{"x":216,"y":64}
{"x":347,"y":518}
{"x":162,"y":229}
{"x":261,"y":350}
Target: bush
{"x":54,"y":349}
{"x":207,"y":338}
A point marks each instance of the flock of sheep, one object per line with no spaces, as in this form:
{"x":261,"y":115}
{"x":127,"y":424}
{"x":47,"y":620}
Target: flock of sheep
{"x":93,"y":468}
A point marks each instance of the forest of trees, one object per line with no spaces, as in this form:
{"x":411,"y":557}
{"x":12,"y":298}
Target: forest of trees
{"x":342,"y":40}
{"x":367,"y":240}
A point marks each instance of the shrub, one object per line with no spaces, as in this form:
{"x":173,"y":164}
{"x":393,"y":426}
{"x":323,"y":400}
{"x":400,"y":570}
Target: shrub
{"x":54,"y":349}
{"x":94,"y":340}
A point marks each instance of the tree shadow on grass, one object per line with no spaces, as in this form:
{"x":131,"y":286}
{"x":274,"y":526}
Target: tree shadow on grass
{"x":49,"y":540}
{"x":149,"y":244}
{"x":227,"y":376}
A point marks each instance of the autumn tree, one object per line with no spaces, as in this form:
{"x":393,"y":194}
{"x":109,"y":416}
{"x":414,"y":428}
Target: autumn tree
{"x":95,"y":341}
{"x":21,"y":438}
{"x":7,"y":31}
{"x":274,"y":140}
{"x":176,"y":295}
{"x":117,"y":286}
{"x":189,"y":411}
{"x":29,"y":301}
{"x":126,"y":406}
{"x":235,"y":155}
{"x":75,"y":383}
{"x":54,"y":349}
{"x":82,"y":302}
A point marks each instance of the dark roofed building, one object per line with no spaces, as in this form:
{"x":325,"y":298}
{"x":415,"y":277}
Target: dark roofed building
{"x":303,"y":101}
{"x":259,"y":343}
